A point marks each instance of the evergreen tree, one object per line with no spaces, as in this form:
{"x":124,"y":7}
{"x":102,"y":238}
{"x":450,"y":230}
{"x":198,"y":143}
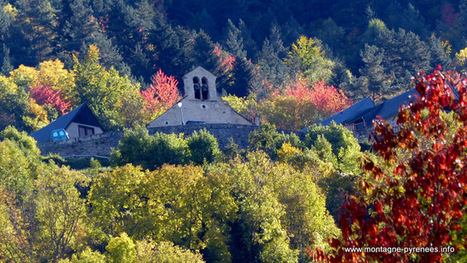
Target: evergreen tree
{"x":167,"y":48}
{"x":109,"y":54}
{"x":373,"y":75}
{"x":203,"y":53}
{"x":242,"y":70}
{"x":273,"y":72}
{"x":402,"y":54}
{"x":5,"y":61}
{"x":143,"y":18}
{"x":81,"y":26}
{"x":5,"y":20}
{"x":36,"y":28}
{"x":249,"y":44}
{"x":440,"y":53}
{"x":233,"y":41}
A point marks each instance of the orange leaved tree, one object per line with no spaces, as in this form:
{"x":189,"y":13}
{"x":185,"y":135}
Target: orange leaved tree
{"x":161,"y":94}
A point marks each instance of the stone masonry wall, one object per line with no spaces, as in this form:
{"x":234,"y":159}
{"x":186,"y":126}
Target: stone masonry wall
{"x":100,"y":145}
{"x":95,"y":145}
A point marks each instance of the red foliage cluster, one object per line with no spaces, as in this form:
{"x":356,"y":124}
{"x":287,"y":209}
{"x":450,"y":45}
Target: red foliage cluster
{"x":227,"y":61}
{"x":419,"y":205}
{"x":162,"y":93}
{"x":45,"y":95}
{"x":327,"y":99}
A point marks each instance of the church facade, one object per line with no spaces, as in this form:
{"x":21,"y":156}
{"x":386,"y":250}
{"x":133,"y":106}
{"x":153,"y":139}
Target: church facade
{"x":201,"y":104}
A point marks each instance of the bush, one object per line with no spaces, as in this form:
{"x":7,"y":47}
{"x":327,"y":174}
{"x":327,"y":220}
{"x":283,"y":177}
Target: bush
{"x":203,"y":147}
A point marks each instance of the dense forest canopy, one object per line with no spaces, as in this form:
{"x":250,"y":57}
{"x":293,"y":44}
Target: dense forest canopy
{"x":261,"y":51}
{"x":171,"y":198}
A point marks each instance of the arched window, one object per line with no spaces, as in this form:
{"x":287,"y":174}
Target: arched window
{"x":197,"y":88}
{"x":204,"y":88}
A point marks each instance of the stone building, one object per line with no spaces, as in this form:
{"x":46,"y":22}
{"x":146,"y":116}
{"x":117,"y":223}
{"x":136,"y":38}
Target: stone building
{"x":201,"y":104}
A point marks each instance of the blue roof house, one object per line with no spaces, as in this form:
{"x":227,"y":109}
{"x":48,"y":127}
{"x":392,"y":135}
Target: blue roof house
{"x":359,"y":117}
{"x":77,"y":123}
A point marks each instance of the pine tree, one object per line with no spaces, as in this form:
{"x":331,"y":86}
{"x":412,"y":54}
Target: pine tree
{"x":81,"y":26}
{"x":439,"y":53}
{"x":249,"y":44}
{"x":36,"y":25}
{"x":273,"y":72}
{"x":373,"y":72}
{"x":203,"y":53}
{"x":234,"y":41}
{"x":109,"y":53}
{"x":142,"y":18}
{"x":6,"y":66}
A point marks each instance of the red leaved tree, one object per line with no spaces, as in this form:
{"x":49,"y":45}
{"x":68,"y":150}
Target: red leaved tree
{"x":416,"y":197}
{"x":161,"y":94}
{"x":227,"y":61}
{"x":328,"y":99}
{"x":45,"y":95}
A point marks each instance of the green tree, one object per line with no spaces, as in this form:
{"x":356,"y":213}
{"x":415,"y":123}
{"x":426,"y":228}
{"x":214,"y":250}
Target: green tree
{"x":88,"y":256}
{"x":165,"y":252}
{"x":278,"y":219}
{"x":5,"y":59}
{"x":203,"y":147}
{"x":59,"y":211}
{"x":122,"y":209}
{"x":36,"y":25}
{"x":14,"y":103}
{"x":192,"y":210}
{"x":104,"y":91}
{"x":121,"y":249}
{"x":269,"y":140}
{"x":15,"y":239}
{"x":78,"y":25}
{"x":310,"y":56}
{"x":373,"y":75}
{"x":16,"y":169}
{"x":399,"y":54}
{"x":139,"y":148}
{"x":272,"y":71}
{"x":345,"y":146}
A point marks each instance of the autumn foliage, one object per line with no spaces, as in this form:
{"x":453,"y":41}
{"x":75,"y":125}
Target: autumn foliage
{"x":328,"y":99}
{"x":45,"y":95}
{"x":415,"y":197}
{"x":161,"y":94}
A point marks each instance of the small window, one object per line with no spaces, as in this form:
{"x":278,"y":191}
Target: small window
{"x":59,"y":135}
{"x":85,"y":131}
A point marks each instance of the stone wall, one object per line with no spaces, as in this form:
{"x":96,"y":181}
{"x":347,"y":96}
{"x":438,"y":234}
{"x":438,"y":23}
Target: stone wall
{"x":100,"y":145}
{"x":222,"y":132}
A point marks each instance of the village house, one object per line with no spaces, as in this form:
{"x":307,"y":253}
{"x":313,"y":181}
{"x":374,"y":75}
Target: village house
{"x":360,"y":116}
{"x":79,"y":122}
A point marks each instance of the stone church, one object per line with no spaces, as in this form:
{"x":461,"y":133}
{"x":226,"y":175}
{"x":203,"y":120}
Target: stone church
{"x":201,"y":104}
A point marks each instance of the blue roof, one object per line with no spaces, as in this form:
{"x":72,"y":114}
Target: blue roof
{"x":350,"y":113}
{"x":366,"y":111}
{"x":387,"y":109}
{"x":81,"y":114}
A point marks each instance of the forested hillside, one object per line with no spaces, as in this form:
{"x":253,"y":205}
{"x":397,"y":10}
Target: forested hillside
{"x":266,"y":50}
{"x":285,"y":198}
